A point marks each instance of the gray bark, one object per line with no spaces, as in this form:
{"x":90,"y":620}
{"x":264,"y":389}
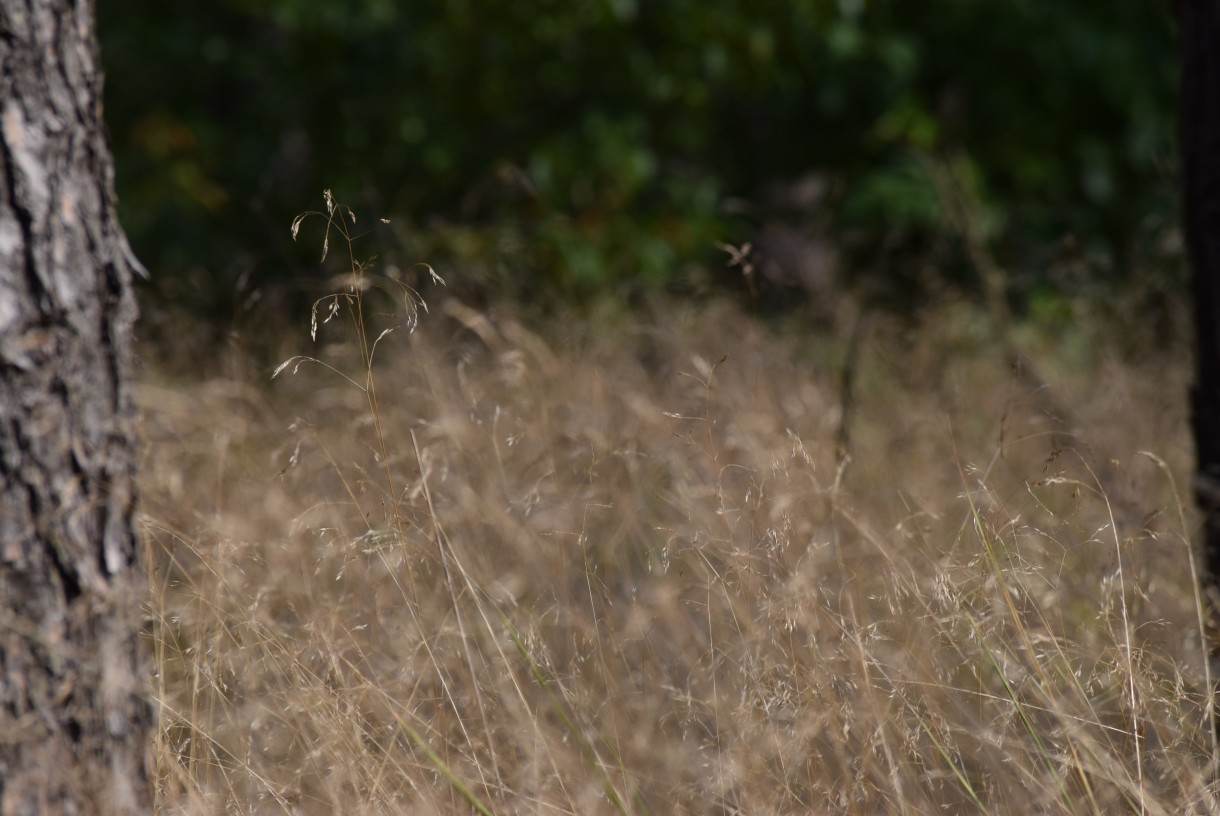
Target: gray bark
{"x":74,"y":710}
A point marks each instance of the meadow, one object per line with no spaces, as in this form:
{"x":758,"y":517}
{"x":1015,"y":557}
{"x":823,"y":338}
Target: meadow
{"x":675,"y":558}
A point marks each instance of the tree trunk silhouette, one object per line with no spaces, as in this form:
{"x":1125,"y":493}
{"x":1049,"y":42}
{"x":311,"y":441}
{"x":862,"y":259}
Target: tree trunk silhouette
{"x":1200,"y":33}
{"x":74,"y":713}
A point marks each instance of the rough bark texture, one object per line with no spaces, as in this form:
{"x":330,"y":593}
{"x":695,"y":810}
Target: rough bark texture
{"x":1200,"y":33}
{"x":74,"y":714}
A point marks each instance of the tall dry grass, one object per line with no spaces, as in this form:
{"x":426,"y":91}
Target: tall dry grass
{"x":619,"y":566}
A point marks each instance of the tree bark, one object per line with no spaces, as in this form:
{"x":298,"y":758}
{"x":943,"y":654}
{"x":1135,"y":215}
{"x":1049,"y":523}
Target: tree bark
{"x":74,"y":711}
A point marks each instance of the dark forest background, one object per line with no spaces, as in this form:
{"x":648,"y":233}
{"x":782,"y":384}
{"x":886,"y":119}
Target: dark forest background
{"x":567,"y":151}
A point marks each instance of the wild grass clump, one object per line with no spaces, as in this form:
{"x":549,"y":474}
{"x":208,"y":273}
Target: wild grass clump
{"x":627,"y":567}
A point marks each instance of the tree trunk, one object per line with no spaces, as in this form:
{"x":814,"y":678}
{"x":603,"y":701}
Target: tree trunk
{"x":74,"y":712}
{"x":1200,"y":33}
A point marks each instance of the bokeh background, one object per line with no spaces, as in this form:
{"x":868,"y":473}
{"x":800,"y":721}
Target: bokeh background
{"x":557,"y":151}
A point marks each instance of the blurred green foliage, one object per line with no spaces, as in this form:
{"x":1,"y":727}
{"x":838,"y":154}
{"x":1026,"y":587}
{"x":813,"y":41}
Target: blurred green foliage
{"x":580,"y":147}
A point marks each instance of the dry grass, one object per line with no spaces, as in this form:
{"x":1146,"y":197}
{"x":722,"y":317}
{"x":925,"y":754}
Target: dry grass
{"x":598,"y":571}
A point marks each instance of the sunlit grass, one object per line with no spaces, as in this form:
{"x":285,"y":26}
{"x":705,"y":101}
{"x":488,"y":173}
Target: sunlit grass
{"x":621,"y":567}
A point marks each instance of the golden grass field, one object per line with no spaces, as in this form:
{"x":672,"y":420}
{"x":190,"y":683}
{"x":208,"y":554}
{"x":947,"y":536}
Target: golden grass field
{"x":617,"y":564}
